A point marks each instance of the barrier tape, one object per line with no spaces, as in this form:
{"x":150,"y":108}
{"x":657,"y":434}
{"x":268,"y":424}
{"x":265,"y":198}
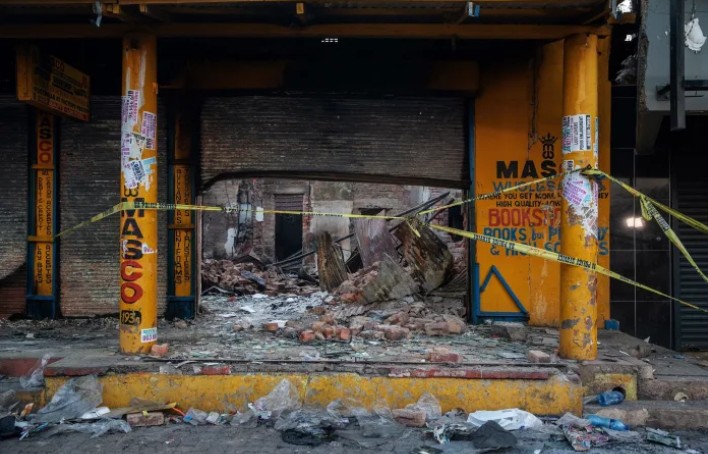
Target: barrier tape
{"x":560,"y":258}
{"x":647,"y":203}
{"x":649,"y":212}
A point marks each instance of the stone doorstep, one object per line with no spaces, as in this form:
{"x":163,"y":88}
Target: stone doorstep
{"x":667,"y":387}
{"x":663,"y":414}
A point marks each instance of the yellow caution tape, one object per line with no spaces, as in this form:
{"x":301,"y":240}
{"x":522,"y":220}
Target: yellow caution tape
{"x":561,"y":258}
{"x":649,"y":212}
{"x":680,"y":216}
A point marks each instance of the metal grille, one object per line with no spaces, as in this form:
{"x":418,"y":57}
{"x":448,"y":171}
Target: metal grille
{"x":692,"y":196}
{"x":90,"y":181}
{"x":397,"y":140}
{"x":13,"y":206}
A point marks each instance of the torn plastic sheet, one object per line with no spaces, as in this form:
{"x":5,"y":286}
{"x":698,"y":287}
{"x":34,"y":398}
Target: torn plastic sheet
{"x":282,"y":398}
{"x":97,"y":428}
{"x":73,"y":399}
{"x":309,"y":427}
{"x":35,"y":379}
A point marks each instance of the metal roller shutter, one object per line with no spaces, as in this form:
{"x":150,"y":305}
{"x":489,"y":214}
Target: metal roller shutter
{"x":396,"y":139}
{"x":13,"y":206}
{"x":89,"y":168}
{"x":692,"y":200}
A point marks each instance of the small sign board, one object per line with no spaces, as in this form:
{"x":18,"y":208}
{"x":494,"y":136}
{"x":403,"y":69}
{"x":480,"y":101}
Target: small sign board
{"x":50,"y":84}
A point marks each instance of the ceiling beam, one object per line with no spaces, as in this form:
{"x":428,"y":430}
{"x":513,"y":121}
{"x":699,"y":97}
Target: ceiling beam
{"x":544,"y":4}
{"x":235,"y":30}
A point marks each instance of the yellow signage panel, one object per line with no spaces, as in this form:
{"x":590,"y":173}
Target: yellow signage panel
{"x":50,"y":84}
{"x":183,"y":240}
{"x":44,"y":205}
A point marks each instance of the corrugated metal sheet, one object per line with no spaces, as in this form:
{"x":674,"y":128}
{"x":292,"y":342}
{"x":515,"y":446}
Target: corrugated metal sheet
{"x":90,"y":166}
{"x":692,"y":196}
{"x":396,"y":139}
{"x":13,"y":204}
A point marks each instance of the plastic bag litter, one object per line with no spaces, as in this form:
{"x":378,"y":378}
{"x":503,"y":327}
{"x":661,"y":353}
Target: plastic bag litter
{"x":309,"y":427}
{"x":428,"y":404}
{"x":73,"y":399}
{"x":195,"y":417}
{"x":346,"y":408}
{"x":284,"y":397}
{"x":35,"y":379}
{"x":95,"y":428}
{"x":511,"y":419}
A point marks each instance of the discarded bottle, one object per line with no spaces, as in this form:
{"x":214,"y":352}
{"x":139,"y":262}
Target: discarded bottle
{"x":601,"y":421}
{"x":613,"y":397}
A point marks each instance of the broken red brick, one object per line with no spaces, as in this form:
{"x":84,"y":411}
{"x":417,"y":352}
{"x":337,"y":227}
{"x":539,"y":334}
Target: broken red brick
{"x":318,"y":327}
{"x":271,"y":326}
{"x":344,"y":334}
{"x":443,"y":355}
{"x":329,"y":332}
{"x":537,"y":356}
{"x":350,"y":297}
{"x":410,"y":418}
{"x":159,"y":350}
{"x":436,"y":329}
{"x":394,"y":332}
{"x":455,"y":325}
{"x":399,"y":318}
{"x":216,"y":370}
{"x":307,"y":336}
{"x":153,"y":418}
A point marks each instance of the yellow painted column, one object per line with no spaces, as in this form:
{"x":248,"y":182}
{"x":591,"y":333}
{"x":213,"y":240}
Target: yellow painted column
{"x":579,"y":207}
{"x":138,"y":228}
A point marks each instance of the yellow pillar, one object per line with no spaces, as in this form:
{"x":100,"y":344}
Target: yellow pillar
{"x":138,"y":237}
{"x":578,"y":332}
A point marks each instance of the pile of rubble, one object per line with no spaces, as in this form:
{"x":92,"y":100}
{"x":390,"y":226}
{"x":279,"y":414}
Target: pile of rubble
{"x":248,"y":278}
{"x":394,"y":321}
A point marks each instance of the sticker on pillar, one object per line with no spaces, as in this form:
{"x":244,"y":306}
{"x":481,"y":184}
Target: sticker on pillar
{"x":148,"y":335}
{"x":596,"y":143}
{"x":577,"y":133}
{"x":148,"y":250}
{"x":581,"y":194}
{"x":149,"y":129}
{"x":132,"y":107}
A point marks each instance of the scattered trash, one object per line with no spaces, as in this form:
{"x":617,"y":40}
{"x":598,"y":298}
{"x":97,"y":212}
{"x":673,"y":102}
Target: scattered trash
{"x":195,"y":417}
{"x":346,"y":408}
{"x":96,"y":413}
{"x":73,"y":399}
{"x":583,"y":438}
{"x":35,"y":379}
{"x":453,"y":431}
{"x":681,"y":397}
{"x":96,"y":428}
{"x":511,"y":419}
{"x":612,"y":397}
{"x":7,"y":425}
{"x":601,"y":421}
{"x":282,"y":398}
{"x":663,"y":437}
{"x":309,"y":427}
{"x":139,"y":406}
{"x":491,"y":436}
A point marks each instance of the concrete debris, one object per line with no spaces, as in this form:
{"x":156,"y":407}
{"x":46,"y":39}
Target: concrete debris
{"x":382,"y":281}
{"x":663,"y":437}
{"x":410,"y":417}
{"x":181,"y":324}
{"x":515,"y":332}
{"x":491,"y":437}
{"x":374,"y":240}
{"x":537,"y":356}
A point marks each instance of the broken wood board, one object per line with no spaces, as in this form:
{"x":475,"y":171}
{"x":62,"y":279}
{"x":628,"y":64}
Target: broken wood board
{"x":430,"y":260}
{"x":374,"y":240}
{"x":330,"y":263}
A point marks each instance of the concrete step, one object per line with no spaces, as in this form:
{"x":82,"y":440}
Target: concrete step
{"x":669,"y":387}
{"x":664,"y":414}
